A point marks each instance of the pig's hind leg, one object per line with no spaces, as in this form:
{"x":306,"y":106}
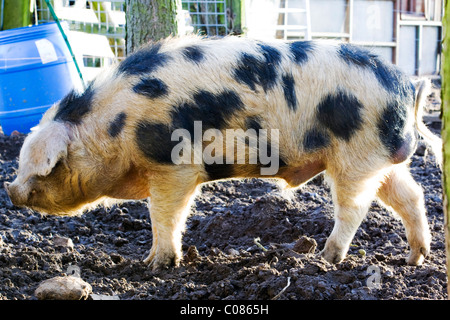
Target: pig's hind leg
{"x":404,"y":196}
{"x":171,"y":194}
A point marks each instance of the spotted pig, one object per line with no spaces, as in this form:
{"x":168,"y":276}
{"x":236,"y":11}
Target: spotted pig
{"x":312,"y":106}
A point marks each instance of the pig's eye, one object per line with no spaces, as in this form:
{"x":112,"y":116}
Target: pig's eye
{"x":32,"y":194}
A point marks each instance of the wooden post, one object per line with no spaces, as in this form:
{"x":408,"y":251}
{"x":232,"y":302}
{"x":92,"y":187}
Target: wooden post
{"x":235,"y":11}
{"x":16,"y":14}
{"x":445,"y":93}
{"x":150,"y":20}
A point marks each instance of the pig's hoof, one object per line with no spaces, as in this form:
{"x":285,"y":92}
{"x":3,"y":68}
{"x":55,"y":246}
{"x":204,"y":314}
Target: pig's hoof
{"x":333,"y":254}
{"x":416,"y":257}
{"x":161,"y":262}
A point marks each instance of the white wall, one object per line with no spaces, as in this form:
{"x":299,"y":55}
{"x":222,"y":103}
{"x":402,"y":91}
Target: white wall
{"x":372,"y":26}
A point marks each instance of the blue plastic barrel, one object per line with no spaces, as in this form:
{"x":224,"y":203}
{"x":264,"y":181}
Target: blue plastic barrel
{"x":36,"y":70}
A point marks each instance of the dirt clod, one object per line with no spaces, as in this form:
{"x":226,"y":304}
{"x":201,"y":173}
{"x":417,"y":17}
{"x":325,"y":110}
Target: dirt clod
{"x":305,"y":245}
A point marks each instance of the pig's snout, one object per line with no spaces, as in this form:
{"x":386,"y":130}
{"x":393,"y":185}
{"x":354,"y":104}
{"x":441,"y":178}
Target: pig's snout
{"x":14,"y":194}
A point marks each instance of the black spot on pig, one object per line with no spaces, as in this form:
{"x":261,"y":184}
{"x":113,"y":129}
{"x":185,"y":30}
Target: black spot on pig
{"x":268,"y":74}
{"x":387,"y":74}
{"x":354,"y":55}
{"x":193,"y":53}
{"x":253,"y":123}
{"x":407,"y":149}
{"x":154,"y":140}
{"x":252,"y":70}
{"x":300,"y":50}
{"x":151,"y":88}
{"x":218,"y":171}
{"x":288,"y":84}
{"x":116,"y":126}
{"x":218,"y":106}
{"x":144,"y":60}
{"x":391,"y":127}
{"x":213,"y":110}
{"x":247,"y":70}
{"x":315,"y":139}
{"x":74,"y":106}
{"x":271,"y":54}
{"x":341,"y":113}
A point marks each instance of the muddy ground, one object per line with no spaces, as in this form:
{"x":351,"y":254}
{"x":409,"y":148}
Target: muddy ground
{"x":222,"y":260}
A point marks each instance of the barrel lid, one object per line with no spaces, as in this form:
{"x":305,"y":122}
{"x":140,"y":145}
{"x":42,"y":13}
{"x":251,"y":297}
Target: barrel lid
{"x":34,"y":46}
{"x":29,"y":33}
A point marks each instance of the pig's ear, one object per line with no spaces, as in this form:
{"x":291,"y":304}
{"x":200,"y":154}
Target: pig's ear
{"x":43,"y":148}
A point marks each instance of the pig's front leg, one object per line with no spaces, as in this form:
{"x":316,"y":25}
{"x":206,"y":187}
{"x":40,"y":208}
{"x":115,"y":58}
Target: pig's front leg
{"x":171,"y":193}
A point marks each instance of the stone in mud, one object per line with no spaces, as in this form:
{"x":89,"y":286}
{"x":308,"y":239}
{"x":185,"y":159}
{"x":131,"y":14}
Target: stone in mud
{"x":63,"y":242}
{"x":192,"y":254}
{"x":63,"y":288}
{"x":305,"y":245}
{"x":103,"y":297}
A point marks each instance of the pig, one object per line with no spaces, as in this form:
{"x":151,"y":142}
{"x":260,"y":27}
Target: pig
{"x":297,"y":109}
